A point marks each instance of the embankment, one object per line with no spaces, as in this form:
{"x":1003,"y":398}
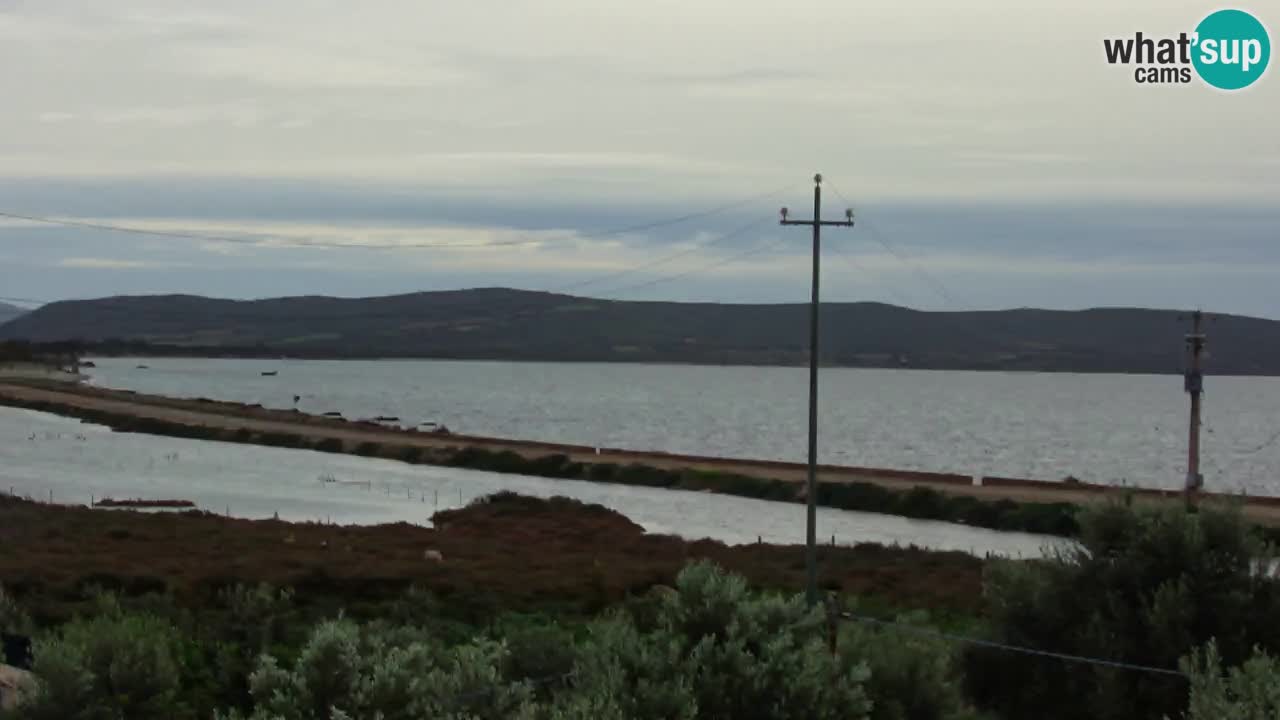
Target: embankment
{"x":998,"y":503}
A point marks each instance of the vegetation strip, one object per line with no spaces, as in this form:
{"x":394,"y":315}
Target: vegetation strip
{"x":557,"y":610}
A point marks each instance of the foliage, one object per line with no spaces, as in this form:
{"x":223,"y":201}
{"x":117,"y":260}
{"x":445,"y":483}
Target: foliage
{"x":329,"y":445}
{"x":344,"y":673}
{"x":13,"y":619}
{"x":1143,"y":586}
{"x":711,"y":650}
{"x":113,"y":665}
{"x":918,"y":502}
{"x":714,"y":651}
{"x":1248,"y":692}
{"x":913,"y":677}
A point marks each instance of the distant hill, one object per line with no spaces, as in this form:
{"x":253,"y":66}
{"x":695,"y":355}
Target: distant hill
{"x":9,"y":312}
{"x":522,"y":325}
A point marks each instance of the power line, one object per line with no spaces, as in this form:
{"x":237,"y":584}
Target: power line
{"x":915,"y":267}
{"x":24,"y":300}
{"x":1260,"y":448}
{"x":753,"y":250}
{"x":903,"y":627}
{"x":517,"y":307}
{"x":659,"y":261}
{"x":312,"y":243}
{"x":847,"y":257}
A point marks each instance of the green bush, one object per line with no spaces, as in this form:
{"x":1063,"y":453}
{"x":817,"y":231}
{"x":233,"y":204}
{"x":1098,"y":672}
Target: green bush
{"x":480,"y":459}
{"x":741,"y":485}
{"x":714,"y":651}
{"x":342,"y":673}
{"x":913,"y":677}
{"x":13,"y":619}
{"x":1248,"y":692}
{"x":115,"y":665}
{"x":1143,"y":586}
{"x":637,"y":474}
{"x":330,"y":445}
{"x":543,"y":654}
{"x":602,"y":472}
{"x":287,"y":440}
{"x":368,"y":448}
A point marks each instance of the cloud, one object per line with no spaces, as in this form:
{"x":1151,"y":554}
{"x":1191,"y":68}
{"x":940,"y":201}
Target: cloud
{"x":398,"y":121}
{"x":55,"y":117}
{"x":717,"y":97}
{"x":116,"y":264}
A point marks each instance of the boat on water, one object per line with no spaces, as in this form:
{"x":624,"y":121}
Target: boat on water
{"x":270,"y":373}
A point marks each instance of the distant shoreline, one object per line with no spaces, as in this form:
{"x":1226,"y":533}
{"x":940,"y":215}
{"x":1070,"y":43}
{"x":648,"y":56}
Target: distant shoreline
{"x":504,"y":324}
{"x":215,"y":355}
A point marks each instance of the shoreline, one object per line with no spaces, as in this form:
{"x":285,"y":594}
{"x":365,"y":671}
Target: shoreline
{"x":993,"y":502}
{"x":211,"y":353}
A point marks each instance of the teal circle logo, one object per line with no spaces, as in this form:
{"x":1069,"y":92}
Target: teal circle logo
{"x":1232,"y":49}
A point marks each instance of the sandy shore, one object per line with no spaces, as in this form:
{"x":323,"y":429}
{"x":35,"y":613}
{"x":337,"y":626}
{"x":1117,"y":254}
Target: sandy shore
{"x":68,"y":398}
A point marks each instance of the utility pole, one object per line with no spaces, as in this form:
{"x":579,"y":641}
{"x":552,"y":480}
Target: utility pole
{"x":811,"y":488}
{"x":1194,"y":386}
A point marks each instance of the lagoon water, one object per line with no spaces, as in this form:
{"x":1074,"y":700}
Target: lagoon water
{"x":50,"y":457}
{"x":1116,"y":429}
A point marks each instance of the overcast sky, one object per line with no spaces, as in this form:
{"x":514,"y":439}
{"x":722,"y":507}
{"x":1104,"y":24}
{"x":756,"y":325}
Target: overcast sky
{"x":993,"y":157}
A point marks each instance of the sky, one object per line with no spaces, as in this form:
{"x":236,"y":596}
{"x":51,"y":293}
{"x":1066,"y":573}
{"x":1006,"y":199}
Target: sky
{"x":992,"y":156}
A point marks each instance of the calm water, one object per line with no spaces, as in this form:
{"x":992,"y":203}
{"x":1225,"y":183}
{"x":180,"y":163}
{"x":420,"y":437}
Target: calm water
{"x":42,"y":454}
{"x":1102,"y":428}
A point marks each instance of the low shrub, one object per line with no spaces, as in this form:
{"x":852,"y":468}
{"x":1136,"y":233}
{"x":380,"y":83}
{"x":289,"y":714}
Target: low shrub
{"x":330,"y":445}
{"x":287,"y":440}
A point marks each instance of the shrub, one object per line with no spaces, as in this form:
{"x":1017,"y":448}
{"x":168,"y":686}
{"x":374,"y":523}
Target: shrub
{"x":341,"y":673}
{"x":541,"y":654}
{"x":913,"y":677}
{"x":113,"y":665}
{"x":637,"y":474}
{"x":602,"y":472}
{"x":1143,"y":586}
{"x":288,"y":440}
{"x":330,"y":445}
{"x":741,"y":485}
{"x":368,"y":448}
{"x":1248,"y":692}
{"x":924,"y":503}
{"x":557,"y":466}
{"x":716,"y":652}
{"x":13,"y":619}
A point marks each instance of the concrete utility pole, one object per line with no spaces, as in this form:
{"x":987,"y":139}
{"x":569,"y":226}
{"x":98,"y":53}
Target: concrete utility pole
{"x":1194,"y":385}
{"x":811,"y":488}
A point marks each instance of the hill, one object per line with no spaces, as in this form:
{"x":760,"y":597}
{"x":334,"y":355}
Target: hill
{"x":522,"y":325}
{"x":9,"y":312}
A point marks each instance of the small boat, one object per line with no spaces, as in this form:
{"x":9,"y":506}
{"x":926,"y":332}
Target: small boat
{"x":142,"y":367}
{"x":270,"y":373}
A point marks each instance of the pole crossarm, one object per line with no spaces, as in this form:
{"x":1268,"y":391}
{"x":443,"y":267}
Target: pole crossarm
{"x":824,"y":223}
